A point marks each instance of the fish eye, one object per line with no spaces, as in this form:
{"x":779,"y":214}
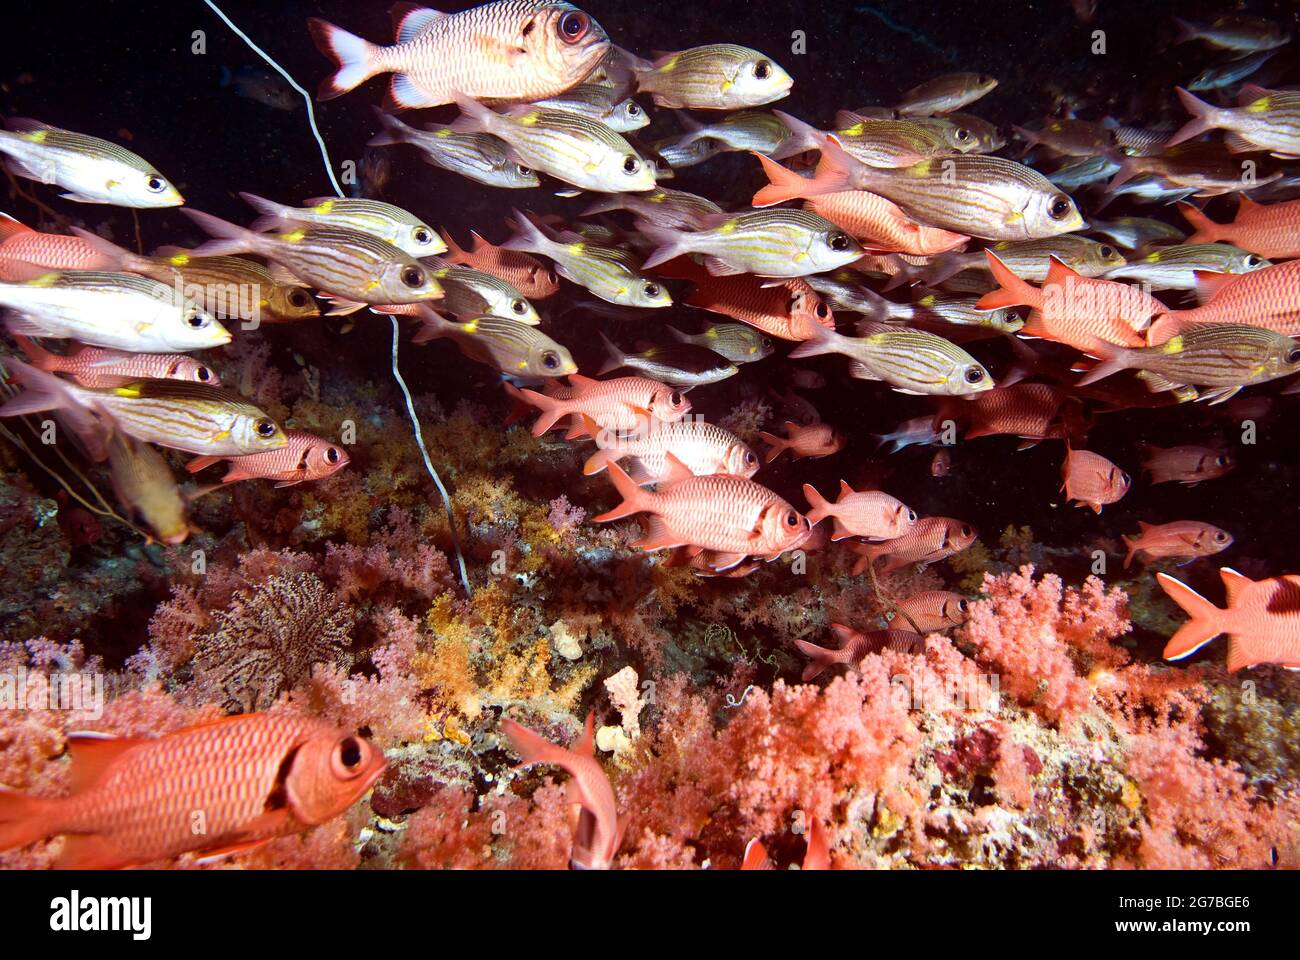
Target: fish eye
{"x":1293,"y":356}
{"x":631,"y":164}
{"x":675,"y":399}
{"x":264,"y":428}
{"x":550,"y":359}
{"x":762,"y":70}
{"x":911,"y":516}
{"x":423,"y":236}
{"x":1123,"y":479}
{"x":962,"y":134}
{"x":1059,"y":207}
{"x":1220,"y":536}
{"x":822,"y":311}
{"x":962,"y":605}
{"x":1108,"y":252}
{"x":202,"y":374}
{"x":838,"y":242}
{"x":1221,"y":460}
{"x":519,"y":306}
{"x":350,"y":752}
{"x":198,"y":320}
{"x":966,"y":531}
{"x":1252,"y":260}
{"x":574,"y":25}
{"x":767,"y":343}
{"x":750,"y":459}
{"x":792,"y":519}
{"x":633,"y":110}
{"x":331,"y":454}
{"x":156,"y":184}
{"x":974,"y":374}
{"x":298,"y":297}
{"x":413,"y":277}
{"x":522,"y":170}
{"x":651,"y":290}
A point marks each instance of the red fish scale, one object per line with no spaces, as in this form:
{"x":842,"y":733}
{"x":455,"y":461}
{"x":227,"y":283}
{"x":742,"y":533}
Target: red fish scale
{"x":717,"y":513}
{"x":1270,"y":230}
{"x":1268,"y":636}
{"x":608,"y":401}
{"x":143,"y":805}
{"x":1086,"y":477}
{"x":1268,"y":298}
{"x":925,"y":541}
{"x":1024,"y":410}
{"x":28,"y":249}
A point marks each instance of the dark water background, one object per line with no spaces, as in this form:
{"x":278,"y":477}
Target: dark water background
{"x":125,"y":71}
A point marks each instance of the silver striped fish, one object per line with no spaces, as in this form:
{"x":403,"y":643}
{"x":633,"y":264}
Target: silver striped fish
{"x":910,"y":361}
{"x":598,"y":103}
{"x":1027,"y":259}
{"x":473,"y":293}
{"x":610,"y":273}
{"x":1266,"y":120}
{"x":1175,"y":267}
{"x":179,"y":414}
{"x":761,"y":131}
{"x":1226,"y":356}
{"x":348,"y":264}
{"x":682,"y":151}
{"x":568,"y":146}
{"x":768,"y":243}
{"x":945,"y":94}
{"x":90,"y":169}
{"x":509,"y":347}
{"x":119,"y":310}
{"x":478,"y":156}
{"x":875,"y":142}
{"x":986,"y":197}
{"x":717,"y":76}
{"x":387,"y":222}
{"x":668,"y":208}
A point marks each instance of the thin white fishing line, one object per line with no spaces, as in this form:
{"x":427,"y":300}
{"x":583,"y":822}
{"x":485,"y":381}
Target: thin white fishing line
{"x":406,"y":393}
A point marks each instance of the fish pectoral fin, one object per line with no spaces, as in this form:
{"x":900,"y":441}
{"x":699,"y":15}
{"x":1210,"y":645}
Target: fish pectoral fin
{"x":242,"y":846}
{"x":78,"y":199}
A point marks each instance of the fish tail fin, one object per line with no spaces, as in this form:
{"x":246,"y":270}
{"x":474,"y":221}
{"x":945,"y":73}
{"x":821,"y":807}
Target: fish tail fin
{"x":823,"y":340}
{"x":38,"y":356}
{"x":455,"y":252}
{"x":1113,"y":360}
{"x":939,"y":269}
{"x":394,"y":130}
{"x":835,"y":171}
{"x":432,"y":325}
{"x":820,"y":659}
{"x":1205,"y":625}
{"x":1128,"y":169}
{"x":778,"y":445}
{"x":783,"y":184}
{"x":23,"y":819}
{"x":1131,"y":543}
{"x":634,"y":498}
{"x":43,"y":391}
{"x":528,"y":236}
{"x":803,"y":137}
{"x":474,"y":116}
{"x":118,"y":258}
{"x":270,"y":213}
{"x":1011,"y":292}
{"x":819,"y":506}
{"x":1204,"y":117}
{"x":615,"y":356}
{"x":230,"y":237}
{"x":670,"y":243}
{"x":531,"y":747}
{"x":549,"y":407}
{"x":1204,"y":229}
{"x":354,"y":57}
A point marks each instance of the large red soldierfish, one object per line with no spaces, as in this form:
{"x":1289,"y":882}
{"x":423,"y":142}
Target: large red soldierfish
{"x":1269,"y":298}
{"x":1271,"y":230}
{"x":1092,"y":480}
{"x":1262,"y":620}
{"x":1181,"y":539}
{"x":621,"y":404}
{"x":252,"y":777}
{"x":597,"y":827}
{"x":304,"y":457}
{"x":733,"y":516}
{"x":26,"y":254}
{"x":871,"y":514}
{"x":507,"y":49}
{"x":854,"y":646}
{"x":931,"y":539}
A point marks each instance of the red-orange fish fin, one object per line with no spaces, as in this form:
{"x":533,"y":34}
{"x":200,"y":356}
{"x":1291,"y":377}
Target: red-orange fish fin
{"x":93,"y":754}
{"x":845,"y":489}
{"x":657,"y":535}
{"x":756,"y":857}
{"x":23,"y":819}
{"x":818,"y":854}
{"x":1131,"y":543}
{"x":817,"y":505}
{"x":10,"y":227}
{"x":88,"y":851}
{"x":1198,"y":631}
{"x":1238,"y":655}
{"x":1209,"y":284}
{"x":777,"y":446}
{"x":263,"y":824}
{"x":235,"y":474}
{"x":201,"y":463}
{"x":783,"y":184}
{"x":586,"y":744}
{"x":1204,"y":229}
{"x":1012,"y":290}
{"x":1058,"y":274}
{"x":675,"y":471}
{"x":1234,"y":583}
{"x":580,"y":382}
{"x":632,"y":494}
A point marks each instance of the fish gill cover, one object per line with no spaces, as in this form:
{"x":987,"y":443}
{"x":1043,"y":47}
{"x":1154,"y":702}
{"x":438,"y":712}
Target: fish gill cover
{"x":651,"y":436}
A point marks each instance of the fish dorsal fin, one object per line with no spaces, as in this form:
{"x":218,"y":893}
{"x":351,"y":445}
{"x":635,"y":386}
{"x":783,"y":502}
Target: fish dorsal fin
{"x":580,"y":382}
{"x":93,"y":754}
{"x":1058,"y":273}
{"x":410,"y":19}
{"x":1250,"y":93}
{"x":1246,"y":205}
{"x":1209,"y":284}
{"x":844,"y":635}
{"x":1234,"y":583}
{"x":1143,"y":527}
{"x":845,"y":489}
{"x":586,"y":744}
{"x":675,"y":470}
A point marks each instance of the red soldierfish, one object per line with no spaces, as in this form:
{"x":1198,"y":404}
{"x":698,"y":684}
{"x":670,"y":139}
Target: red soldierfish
{"x":931,"y":611}
{"x":931,"y":539}
{"x":1268,"y":297}
{"x":530,"y":276}
{"x":733,"y":516}
{"x":1180,"y":540}
{"x":1186,"y":464}
{"x":597,"y":827}
{"x":1073,"y":309}
{"x":813,"y":440}
{"x":623,"y":404}
{"x":854,"y":646}
{"x":249,"y":778}
{"x":1092,"y":479}
{"x":508,"y":49}
{"x":787,"y":311}
{"x":1262,"y":620}
{"x":305,"y":457}
{"x":102,"y":368}
{"x":26,"y":254}
{"x":1271,"y":230}
{"x":871,"y":514}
